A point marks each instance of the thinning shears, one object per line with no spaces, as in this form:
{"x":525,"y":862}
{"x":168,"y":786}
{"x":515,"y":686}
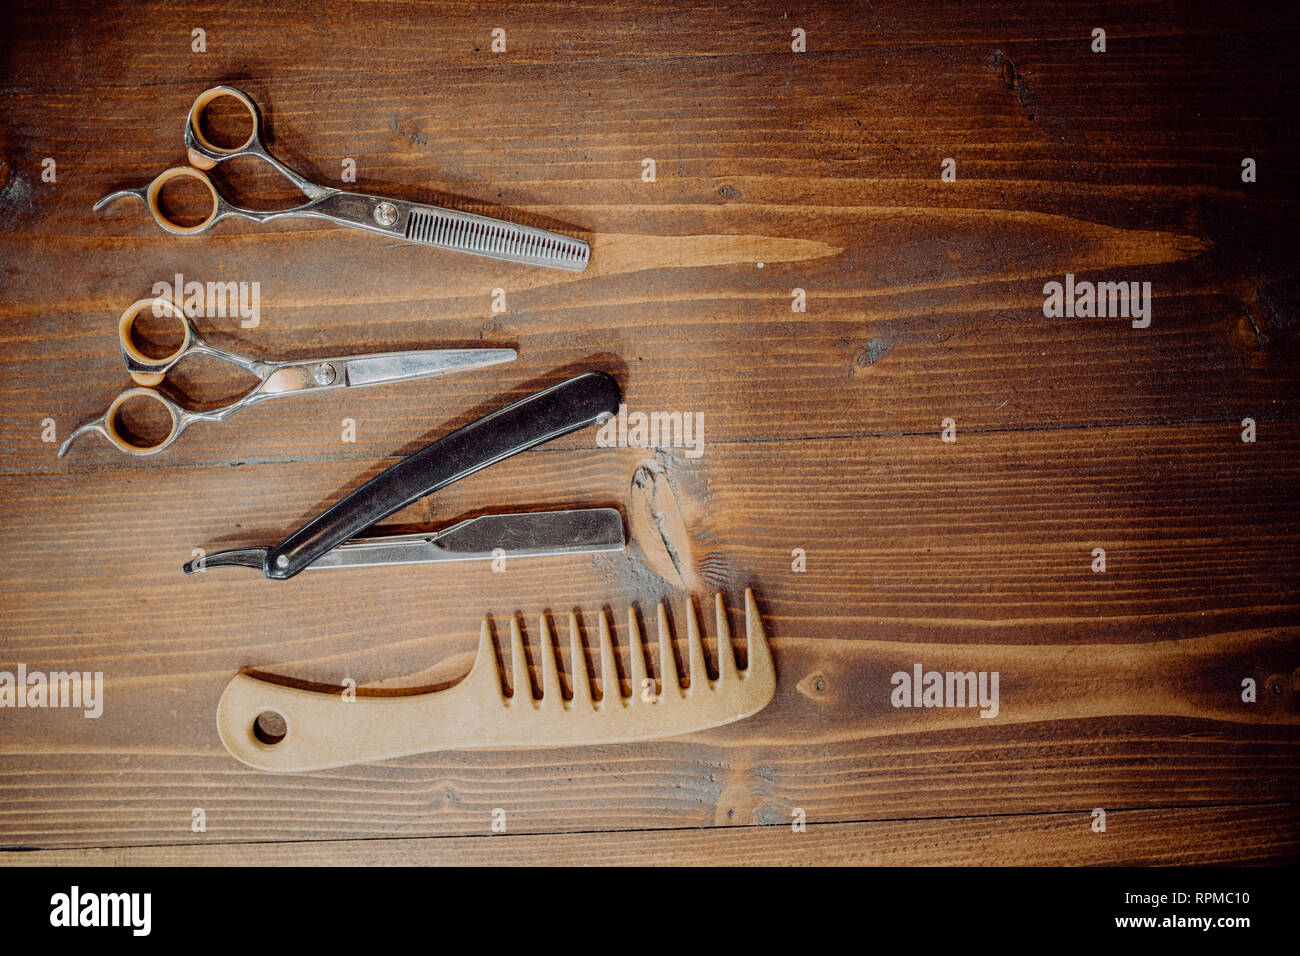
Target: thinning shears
{"x":414,"y":222}
{"x":277,"y":378}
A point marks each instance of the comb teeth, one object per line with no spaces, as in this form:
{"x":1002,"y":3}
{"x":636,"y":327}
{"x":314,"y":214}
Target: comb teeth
{"x":463,"y":232}
{"x":644,"y":689}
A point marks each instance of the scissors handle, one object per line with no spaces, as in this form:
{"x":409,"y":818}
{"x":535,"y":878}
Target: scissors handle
{"x":145,"y":369}
{"x":107,"y":426}
{"x":204,"y":154}
{"x":221,"y":207}
{"x":149,"y":371}
{"x":180,"y":419}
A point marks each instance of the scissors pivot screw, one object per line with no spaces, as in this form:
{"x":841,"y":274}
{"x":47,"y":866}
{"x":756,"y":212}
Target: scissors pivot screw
{"x":385,"y":214}
{"x":324,"y":374}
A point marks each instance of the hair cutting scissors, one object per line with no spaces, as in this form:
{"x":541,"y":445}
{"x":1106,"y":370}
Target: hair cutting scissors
{"x":277,"y":378}
{"x":414,"y":222}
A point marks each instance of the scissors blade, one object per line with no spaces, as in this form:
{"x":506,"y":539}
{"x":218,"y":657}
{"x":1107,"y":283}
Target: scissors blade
{"x":493,"y":238}
{"x":527,"y":535}
{"x":404,"y":366}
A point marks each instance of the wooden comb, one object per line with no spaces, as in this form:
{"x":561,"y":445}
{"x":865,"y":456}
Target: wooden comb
{"x":318,"y":729}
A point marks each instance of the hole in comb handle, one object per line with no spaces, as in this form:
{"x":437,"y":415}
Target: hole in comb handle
{"x":270,"y":727}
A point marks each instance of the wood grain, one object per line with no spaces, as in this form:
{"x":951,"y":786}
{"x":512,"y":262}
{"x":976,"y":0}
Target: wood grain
{"x":776,"y":171}
{"x":1250,"y":834}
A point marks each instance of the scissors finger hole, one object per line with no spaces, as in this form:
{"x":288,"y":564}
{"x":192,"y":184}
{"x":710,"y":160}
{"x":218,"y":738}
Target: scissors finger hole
{"x":223,"y":120}
{"x":140,"y":421}
{"x":154,"y":331}
{"x":183,"y":199}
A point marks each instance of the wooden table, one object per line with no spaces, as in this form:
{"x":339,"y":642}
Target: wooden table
{"x":824,"y":483}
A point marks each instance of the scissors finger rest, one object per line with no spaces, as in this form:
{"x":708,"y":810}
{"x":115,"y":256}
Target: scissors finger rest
{"x":149,"y":195}
{"x":107,"y":424}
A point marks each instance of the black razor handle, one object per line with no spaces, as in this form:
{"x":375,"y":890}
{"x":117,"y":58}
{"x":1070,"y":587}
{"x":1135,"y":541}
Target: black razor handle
{"x":583,"y":400}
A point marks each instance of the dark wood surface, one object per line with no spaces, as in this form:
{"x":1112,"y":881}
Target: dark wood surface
{"x":1119,"y":690}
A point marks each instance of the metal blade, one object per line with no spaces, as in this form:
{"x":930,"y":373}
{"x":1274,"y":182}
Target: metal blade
{"x":404,"y":366}
{"x":466,"y":232}
{"x":239,"y":558}
{"x":528,"y":535}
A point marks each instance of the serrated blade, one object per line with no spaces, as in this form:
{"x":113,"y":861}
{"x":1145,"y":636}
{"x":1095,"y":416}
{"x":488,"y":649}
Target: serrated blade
{"x":481,"y":236}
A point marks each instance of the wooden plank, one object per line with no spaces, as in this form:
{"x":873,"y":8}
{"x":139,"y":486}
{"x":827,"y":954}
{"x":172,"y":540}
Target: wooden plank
{"x":990,"y":535}
{"x":1112,"y":682}
{"x":899,"y":325}
{"x":855,"y":375}
{"x":382,"y":36}
{"x":775,"y":171}
{"x":1169,"y":837}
